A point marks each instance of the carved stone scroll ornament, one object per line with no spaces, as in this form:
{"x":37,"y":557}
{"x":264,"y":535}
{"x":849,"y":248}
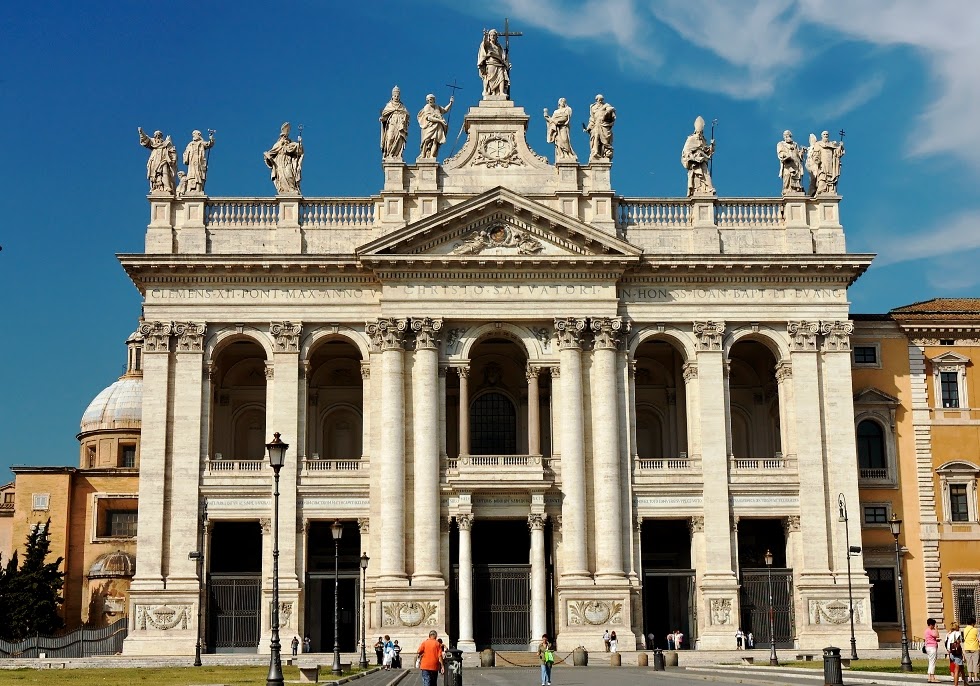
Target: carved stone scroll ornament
{"x":609,"y":332}
{"x":802,"y":335}
{"x":569,"y":330}
{"x":426,"y":330}
{"x":387,"y":333}
{"x":190,"y":336}
{"x":286,"y":336}
{"x":156,"y":336}
{"x":709,"y":335}
{"x":409,"y":614}
{"x":163,"y":617}
{"x":464,"y":522}
{"x":784,"y":370}
{"x":594,"y":612}
{"x":837,"y":336}
{"x":721,"y":611}
{"x":364,"y":525}
{"x":497,"y":150}
{"x":499,"y":236}
{"x":835,"y":611}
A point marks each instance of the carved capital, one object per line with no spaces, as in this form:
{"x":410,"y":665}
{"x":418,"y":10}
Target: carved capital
{"x":464,"y":522}
{"x":696,"y":524}
{"x":569,"y":331}
{"x":792,"y":523}
{"x":609,"y":332}
{"x":365,"y":370}
{"x":266,"y":525}
{"x":836,"y":336}
{"x":802,"y":335}
{"x":270,"y":370}
{"x":709,"y":335}
{"x":286,"y":336}
{"x":690,"y":371}
{"x":190,"y":336}
{"x":462,"y":372}
{"x":387,"y":333}
{"x":426,"y":330}
{"x":784,"y":370}
{"x":156,"y":336}
{"x":536,"y":521}
{"x":555,"y":372}
{"x":532,"y":372}
{"x":364,"y":525}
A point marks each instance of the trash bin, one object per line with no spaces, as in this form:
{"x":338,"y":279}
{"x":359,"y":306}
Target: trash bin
{"x":642,"y":660}
{"x":615,"y":660}
{"x":580,"y":657}
{"x":670,"y":658}
{"x":488,"y":658}
{"x":658,"y":660}
{"x":454,"y":668}
{"x":832,"y":674}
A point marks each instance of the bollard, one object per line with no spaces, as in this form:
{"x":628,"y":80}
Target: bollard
{"x":615,"y":660}
{"x":580,"y":657}
{"x":488,"y":658}
{"x":642,"y":660}
{"x":454,"y":668}
{"x":658,"y":660}
{"x":832,"y":674}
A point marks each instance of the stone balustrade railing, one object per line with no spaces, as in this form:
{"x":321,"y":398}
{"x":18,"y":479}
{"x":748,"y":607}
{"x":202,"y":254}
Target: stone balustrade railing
{"x":323,"y":465}
{"x":678,"y":212}
{"x":314,"y":213}
{"x":662,"y":212}
{"x":777,"y":461}
{"x":874,"y":473}
{"x":241,"y":213}
{"x":665,"y":464}
{"x":219,"y":464}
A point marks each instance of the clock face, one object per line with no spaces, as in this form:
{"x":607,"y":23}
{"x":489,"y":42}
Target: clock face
{"x":497,"y":149}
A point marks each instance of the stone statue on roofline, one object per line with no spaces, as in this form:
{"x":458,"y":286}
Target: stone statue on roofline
{"x":161,"y":167}
{"x":394,"y":127}
{"x":285,"y":160}
{"x":559,"y":131}
{"x":790,"y":156}
{"x":491,"y":61}
{"x":823,"y":163}
{"x":196,"y":160}
{"x":696,"y":157}
{"x":434,"y":126}
{"x":602,"y":116}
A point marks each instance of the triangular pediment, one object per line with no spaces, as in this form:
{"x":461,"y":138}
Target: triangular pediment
{"x":950,"y":358}
{"x":875,"y":396}
{"x":499,"y":224}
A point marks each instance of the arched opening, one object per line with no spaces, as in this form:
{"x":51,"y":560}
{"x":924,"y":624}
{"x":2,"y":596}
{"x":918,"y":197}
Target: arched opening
{"x":754,"y":395}
{"x":239,"y":402}
{"x":872,"y":459}
{"x":661,"y":401}
{"x":335,"y":396}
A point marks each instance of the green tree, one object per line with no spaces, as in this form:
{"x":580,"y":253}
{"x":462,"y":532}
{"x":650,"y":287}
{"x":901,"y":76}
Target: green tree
{"x":33,"y":591}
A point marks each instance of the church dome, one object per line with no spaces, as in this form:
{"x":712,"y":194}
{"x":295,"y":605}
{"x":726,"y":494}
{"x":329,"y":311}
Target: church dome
{"x":120,"y":406}
{"x":113,"y":565}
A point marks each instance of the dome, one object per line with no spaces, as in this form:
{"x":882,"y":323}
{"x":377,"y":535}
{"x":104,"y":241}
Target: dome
{"x":120,"y":406}
{"x":113,"y":565}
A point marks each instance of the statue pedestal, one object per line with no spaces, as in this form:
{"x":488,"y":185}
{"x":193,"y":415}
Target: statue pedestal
{"x":289,"y":238}
{"x":191,"y":236}
{"x":160,"y":230}
{"x":393,"y":195}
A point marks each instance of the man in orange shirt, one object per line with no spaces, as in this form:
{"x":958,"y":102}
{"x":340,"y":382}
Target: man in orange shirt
{"x":430,"y":660}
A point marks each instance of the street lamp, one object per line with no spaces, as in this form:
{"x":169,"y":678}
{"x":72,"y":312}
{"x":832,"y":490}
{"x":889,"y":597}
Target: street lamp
{"x":198,"y":557}
{"x":895,"y":524}
{"x":364,"y":564}
{"x":773,"y":662}
{"x":842,"y":509}
{"x":337,"y":529}
{"x":277,"y":458}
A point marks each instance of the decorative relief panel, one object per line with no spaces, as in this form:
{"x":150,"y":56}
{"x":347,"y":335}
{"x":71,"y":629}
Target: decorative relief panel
{"x":190,"y":336}
{"x":498,"y":236}
{"x":837,"y":336}
{"x":163,"y":617}
{"x":835,"y":612}
{"x":453,"y":337}
{"x":709,"y":335}
{"x":286,"y":336}
{"x":569,"y":330}
{"x":156,"y":336}
{"x":387,"y":333}
{"x":721,"y":611}
{"x":594,"y":612}
{"x":802,"y":335}
{"x":285,"y":614}
{"x":409,"y":614}
{"x":497,"y":150}
{"x":426,"y":329}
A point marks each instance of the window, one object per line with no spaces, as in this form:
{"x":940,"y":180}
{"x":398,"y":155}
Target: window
{"x":884,"y":600}
{"x":872,"y":460}
{"x":959,"y":509}
{"x":949,"y":383}
{"x":493,"y":425}
{"x":41,"y":501}
{"x":127,"y":456}
{"x":120,"y":523}
{"x":8,"y":498}
{"x":90,"y":456}
{"x":115,"y":515}
{"x":865,"y":354}
{"x":876,"y":514}
{"x":965,"y":604}
{"x":947,"y":341}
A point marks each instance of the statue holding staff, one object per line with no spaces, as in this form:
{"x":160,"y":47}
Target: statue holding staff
{"x":559,"y":132}
{"x":434,"y":126}
{"x":696,"y":158}
{"x":394,"y":126}
{"x":285,"y":160}
{"x":790,"y":156}
{"x":491,"y":61}
{"x":161,"y":167}
{"x":196,"y":159}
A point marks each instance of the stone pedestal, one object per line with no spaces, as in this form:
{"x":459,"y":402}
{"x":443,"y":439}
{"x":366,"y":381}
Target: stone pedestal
{"x":160,"y":230}
{"x":393,"y":195}
{"x":289,"y":239}
{"x":191,"y":236}
{"x":162,"y":618}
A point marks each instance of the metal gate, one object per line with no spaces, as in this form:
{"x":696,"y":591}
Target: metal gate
{"x":502,"y":606}
{"x":756,"y":606}
{"x":233,"y":613}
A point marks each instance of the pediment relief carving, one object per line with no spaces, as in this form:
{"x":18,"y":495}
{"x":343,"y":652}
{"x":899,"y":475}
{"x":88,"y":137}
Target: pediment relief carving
{"x":950,"y":358}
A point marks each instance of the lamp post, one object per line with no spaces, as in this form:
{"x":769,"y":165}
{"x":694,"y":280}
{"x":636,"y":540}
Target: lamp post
{"x":842,"y":510}
{"x":337,"y":529}
{"x":895,"y":524}
{"x":277,"y":458}
{"x":363,"y":664}
{"x":198,"y":557}
{"x":773,"y":662}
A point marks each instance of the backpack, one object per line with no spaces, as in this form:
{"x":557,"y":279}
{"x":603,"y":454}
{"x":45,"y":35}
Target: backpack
{"x":955,"y":648}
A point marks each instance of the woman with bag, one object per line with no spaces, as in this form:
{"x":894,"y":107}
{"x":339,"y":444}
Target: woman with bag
{"x":930,"y":646}
{"x":954,"y":648}
{"x":546,"y":655}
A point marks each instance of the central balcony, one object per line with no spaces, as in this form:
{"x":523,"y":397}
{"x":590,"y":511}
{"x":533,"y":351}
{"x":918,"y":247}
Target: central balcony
{"x":498,"y":472}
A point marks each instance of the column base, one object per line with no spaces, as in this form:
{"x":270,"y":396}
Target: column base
{"x":576,"y":579}
{"x":468,"y":646}
{"x":428,"y":581}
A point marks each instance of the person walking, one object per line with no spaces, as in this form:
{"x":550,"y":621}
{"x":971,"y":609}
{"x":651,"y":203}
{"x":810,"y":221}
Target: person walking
{"x":396,"y":662}
{"x":678,"y":639}
{"x":307,"y":644}
{"x":613,"y":642}
{"x":971,"y":650}
{"x":430,"y":661}
{"x":605,"y":639}
{"x":739,"y":640}
{"x":379,"y":649}
{"x":954,"y":650}
{"x":294,"y":644}
{"x":546,"y":655}
{"x":389,"y":653}
{"x":670,"y":641}
{"x":931,"y":645}
{"x":751,"y":640}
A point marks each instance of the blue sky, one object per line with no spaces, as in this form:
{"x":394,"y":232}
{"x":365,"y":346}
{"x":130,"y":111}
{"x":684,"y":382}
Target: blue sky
{"x":78,"y":78}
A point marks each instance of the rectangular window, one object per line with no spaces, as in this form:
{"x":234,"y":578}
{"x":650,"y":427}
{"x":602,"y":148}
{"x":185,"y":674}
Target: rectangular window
{"x":128,"y":456}
{"x":875,"y":514}
{"x":959,"y":509}
{"x":41,"y":501}
{"x":884,"y":601}
{"x":121,"y":523}
{"x":949,"y":383}
{"x":8,"y":497}
{"x":865,"y":354}
{"x":965,"y":598}
{"x":947,"y":341}
{"x":90,"y":456}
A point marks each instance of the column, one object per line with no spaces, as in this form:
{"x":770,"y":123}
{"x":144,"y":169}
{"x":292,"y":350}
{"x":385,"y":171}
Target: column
{"x":574,"y":525}
{"x":606,"y":462}
{"x":539,"y":578}
{"x":533,"y":413}
{"x":282,"y":415}
{"x":388,"y":335}
{"x":465,"y":641}
{"x":186,"y":461}
{"x":464,"y":410}
{"x":425,"y":411}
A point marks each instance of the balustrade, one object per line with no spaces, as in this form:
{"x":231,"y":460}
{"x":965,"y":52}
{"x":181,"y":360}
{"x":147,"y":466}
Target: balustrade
{"x":663,"y":212}
{"x":318,"y":465}
{"x":874,"y":473}
{"x":337,"y":212}
{"x":219,"y":464}
{"x":241,"y":213}
{"x":777,"y":461}
{"x":749,"y":212}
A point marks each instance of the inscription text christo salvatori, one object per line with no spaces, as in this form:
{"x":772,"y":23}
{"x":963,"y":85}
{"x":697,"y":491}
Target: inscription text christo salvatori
{"x":502,"y":290}
{"x":668,"y":294}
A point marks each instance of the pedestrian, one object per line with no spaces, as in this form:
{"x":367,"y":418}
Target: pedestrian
{"x":546,"y":655}
{"x":931,"y":648}
{"x":295,"y":645}
{"x":613,"y":642}
{"x":389,"y":652}
{"x":971,"y":649}
{"x":739,"y":639}
{"x":379,"y":649}
{"x":670,"y":641}
{"x":954,"y":650}
{"x":678,"y":639}
{"x":307,"y":644}
{"x":430,"y":661}
{"x":605,"y":639}
{"x":751,"y":640}
{"x":397,"y":660}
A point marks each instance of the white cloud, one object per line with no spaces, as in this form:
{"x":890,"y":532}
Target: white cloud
{"x":850,"y":100}
{"x":955,"y":236}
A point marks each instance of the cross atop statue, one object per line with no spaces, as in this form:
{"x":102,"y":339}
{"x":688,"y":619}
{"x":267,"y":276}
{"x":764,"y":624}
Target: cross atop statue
{"x":507,"y":33}
{"x":493,"y":63}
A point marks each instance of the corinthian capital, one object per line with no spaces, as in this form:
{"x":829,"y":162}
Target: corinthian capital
{"x":802,"y":335}
{"x":569,"y":331}
{"x":426,"y":330}
{"x":156,"y":336}
{"x":190,"y":336}
{"x":709,"y":335}
{"x":836,"y":336}
{"x":387,"y":333}
{"x":286,"y":336}
{"x":536,"y":521}
{"x":608,"y":331}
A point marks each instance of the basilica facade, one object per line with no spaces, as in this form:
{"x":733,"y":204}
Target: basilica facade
{"x":536,"y":405}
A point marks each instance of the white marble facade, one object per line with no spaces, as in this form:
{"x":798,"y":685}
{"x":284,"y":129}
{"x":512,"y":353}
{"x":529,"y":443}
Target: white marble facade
{"x":496,"y":246}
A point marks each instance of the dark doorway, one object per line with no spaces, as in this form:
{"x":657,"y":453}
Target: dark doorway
{"x":234,"y":587}
{"x":320,"y":587}
{"x":756,"y":537}
{"x":668,"y":580}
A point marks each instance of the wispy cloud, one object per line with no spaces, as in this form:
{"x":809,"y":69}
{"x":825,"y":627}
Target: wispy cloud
{"x":954,"y":236}
{"x":850,"y":100}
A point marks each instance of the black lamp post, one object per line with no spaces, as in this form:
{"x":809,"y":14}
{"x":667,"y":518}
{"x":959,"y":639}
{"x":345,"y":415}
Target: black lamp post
{"x":337,"y":529}
{"x":363,"y":664}
{"x":773,"y":662}
{"x":895,"y":524}
{"x":198,"y":557}
{"x":842,"y":509}
{"x":277,"y":458}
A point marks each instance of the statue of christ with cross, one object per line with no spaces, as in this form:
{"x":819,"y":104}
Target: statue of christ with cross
{"x":493,"y":63}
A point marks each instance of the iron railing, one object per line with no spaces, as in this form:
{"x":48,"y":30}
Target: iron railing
{"x":79,"y":643}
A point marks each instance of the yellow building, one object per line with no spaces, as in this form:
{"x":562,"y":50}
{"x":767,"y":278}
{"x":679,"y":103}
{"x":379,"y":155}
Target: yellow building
{"x":918,"y":438}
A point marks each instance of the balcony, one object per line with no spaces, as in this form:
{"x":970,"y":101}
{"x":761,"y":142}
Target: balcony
{"x":219,"y":465}
{"x":489,"y":472}
{"x":775,"y":469}
{"x":348,"y":472}
{"x":651,"y":471}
